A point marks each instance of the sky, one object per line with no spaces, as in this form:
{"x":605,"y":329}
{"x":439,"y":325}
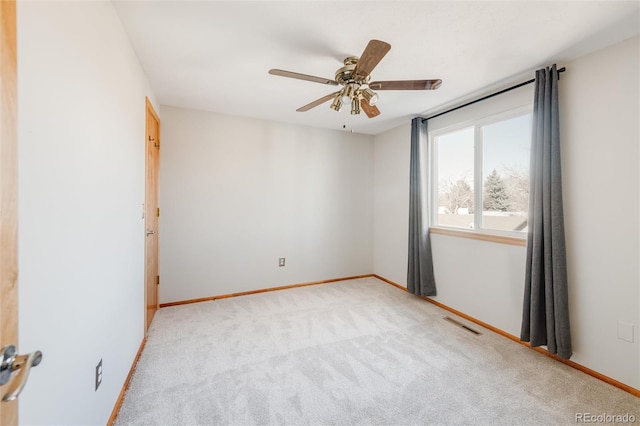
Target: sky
{"x":505,"y":143}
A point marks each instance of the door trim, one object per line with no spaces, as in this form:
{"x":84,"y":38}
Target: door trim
{"x":149,"y":112}
{"x":8,"y":192}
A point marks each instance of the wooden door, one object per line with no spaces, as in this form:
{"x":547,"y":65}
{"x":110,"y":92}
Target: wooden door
{"x":152,"y":213}
{"x":8,"y":193}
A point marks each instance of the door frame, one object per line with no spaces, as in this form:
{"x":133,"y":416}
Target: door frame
{"x":150,"y":112}
{"x":8,"y":191}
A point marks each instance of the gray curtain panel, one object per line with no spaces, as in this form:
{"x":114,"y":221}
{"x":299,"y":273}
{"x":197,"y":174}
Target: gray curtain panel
{"x":545,"y":313}
{"x":420,"y":278}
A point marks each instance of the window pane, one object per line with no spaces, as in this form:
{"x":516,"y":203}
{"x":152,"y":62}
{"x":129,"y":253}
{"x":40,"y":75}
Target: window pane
{"x":455,"y":178}
{"x":505,"y":174}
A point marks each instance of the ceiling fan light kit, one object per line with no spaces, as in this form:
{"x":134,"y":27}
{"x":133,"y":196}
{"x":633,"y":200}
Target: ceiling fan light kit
{"x":354,"y":78}
{"x":370,"y":96}
{"x":336,"y":105}
{"x":355,"y":106}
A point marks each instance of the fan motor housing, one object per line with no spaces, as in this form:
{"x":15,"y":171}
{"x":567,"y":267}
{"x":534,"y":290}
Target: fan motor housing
{"x":345,"y":74}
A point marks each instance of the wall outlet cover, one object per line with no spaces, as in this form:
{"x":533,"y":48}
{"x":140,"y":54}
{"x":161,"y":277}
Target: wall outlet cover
{"x":98,"y":374}
{"x":625,"y":331}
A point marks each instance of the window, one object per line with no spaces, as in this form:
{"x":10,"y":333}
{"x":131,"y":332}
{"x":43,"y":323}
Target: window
{"x":480,"y":173}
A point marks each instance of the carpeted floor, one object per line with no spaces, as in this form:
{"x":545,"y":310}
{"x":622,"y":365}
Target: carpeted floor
{"x":357,"y":352}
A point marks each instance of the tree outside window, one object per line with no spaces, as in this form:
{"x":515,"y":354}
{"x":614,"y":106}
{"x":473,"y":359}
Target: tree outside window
{"x":484,"y":164}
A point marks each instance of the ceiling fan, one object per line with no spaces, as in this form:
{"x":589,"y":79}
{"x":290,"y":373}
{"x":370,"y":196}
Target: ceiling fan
{"x":354,"y":78}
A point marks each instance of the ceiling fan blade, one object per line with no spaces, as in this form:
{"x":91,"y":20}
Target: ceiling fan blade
{"x":370,"y":110}
{"x":372,"y":55}
{"x":317,"y":102}
{"x":290,"y":74}
{"x":406,"y":85}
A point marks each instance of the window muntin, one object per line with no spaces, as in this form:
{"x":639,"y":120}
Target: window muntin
{"x":486,"y":160}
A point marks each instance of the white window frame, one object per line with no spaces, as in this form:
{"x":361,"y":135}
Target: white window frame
{"x":432,"y":184}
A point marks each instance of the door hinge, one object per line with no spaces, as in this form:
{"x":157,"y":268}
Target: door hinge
{"x":158,"y":212}
{"x":158,"y":279}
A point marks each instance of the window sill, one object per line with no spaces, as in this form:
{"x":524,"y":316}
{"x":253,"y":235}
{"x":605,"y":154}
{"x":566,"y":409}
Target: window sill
{"x":500,"y":239}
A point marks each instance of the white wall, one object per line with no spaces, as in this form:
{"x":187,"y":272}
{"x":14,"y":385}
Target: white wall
{"x":600,"y":136}
{"x":391,"y":203}
{"x":600,"y":125}
{"x":81,"y":187}
{"x":481,"y":279}
{"x":236,"y":194}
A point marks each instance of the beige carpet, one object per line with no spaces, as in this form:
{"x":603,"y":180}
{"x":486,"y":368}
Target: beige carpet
{"x":357,"y":352}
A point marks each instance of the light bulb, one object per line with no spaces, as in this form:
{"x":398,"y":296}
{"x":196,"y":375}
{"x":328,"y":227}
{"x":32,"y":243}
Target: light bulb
{"x":348,"y":93}
{"x":370,"y":96}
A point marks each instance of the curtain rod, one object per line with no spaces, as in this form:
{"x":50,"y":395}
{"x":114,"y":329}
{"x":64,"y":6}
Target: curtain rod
{"x":563,"y":69}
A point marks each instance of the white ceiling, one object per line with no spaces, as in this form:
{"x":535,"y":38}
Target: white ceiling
{"x":215,"y":55}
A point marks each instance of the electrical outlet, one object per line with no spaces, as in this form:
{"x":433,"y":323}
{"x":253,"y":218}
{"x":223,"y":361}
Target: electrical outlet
{"x":625,"y":331}
{"x":281,"y":261}
{"x":98,"y":374}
